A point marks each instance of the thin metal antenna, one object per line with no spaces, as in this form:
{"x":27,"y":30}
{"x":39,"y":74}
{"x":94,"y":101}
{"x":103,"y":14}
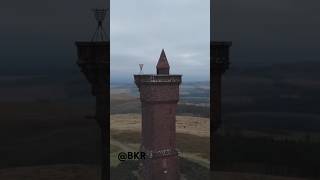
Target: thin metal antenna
{"x":141,"y":67}
{"x":100,"y":33}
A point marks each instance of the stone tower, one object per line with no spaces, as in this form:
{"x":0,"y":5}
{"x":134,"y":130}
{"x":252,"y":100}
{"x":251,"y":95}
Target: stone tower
{"x":159,"y":95}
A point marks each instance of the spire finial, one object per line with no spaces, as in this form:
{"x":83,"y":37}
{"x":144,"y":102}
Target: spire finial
{"x":163,"y":65}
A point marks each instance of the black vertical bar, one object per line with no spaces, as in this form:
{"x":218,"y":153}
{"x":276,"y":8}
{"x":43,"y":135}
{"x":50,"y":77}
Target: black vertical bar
{"x":107,"y":102}
{"x":211,"y":85}
{"x":102,"y":117}
{"x":107,"y":99}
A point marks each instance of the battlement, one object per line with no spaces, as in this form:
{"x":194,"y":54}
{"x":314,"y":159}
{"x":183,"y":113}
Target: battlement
{"x":158,"y":88}
{"x":157,"y":79}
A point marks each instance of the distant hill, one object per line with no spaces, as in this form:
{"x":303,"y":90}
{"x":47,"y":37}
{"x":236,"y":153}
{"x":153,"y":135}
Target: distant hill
{"x":194,"y":99}
{"x":277,"y":96}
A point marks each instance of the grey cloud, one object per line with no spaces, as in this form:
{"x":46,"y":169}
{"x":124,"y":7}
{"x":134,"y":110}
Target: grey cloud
{"x":142,"y":28}
{"x":269,"y":30}
{"x":41,"y":32}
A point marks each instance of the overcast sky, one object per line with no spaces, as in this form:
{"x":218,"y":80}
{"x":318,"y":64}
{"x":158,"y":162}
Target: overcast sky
{"x":269,"y":31}
{"x":40,"y":34}
{"x":141,"y":28}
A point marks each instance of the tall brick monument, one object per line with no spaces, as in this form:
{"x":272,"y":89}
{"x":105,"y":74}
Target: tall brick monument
{"x":159,"y":95}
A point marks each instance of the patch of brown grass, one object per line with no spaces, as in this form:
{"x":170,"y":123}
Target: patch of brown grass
{"x":185,"y":142}
{"x":54,"y":172}
{"x":185,"y":124}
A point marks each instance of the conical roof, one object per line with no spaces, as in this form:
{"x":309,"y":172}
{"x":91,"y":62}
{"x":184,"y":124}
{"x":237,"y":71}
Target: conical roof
{"x":163,"y":65}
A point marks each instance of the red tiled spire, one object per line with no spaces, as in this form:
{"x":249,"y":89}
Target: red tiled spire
{"x":163,"y":65}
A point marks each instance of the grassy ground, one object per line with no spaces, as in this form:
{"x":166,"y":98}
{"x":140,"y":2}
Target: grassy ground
{"x":85,"y":172}
{"x":52,"y":172}
{"x":36,"y":135}
{"x":192,"y":133}
{"x":192,"y":140}
{"x":184,"y":124}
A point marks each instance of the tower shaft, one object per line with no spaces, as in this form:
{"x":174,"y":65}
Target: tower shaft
{"x":159,"y":95}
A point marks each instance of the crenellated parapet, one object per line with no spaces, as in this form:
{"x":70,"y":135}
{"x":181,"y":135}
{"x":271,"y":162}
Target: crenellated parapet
{"x":158,"y":88}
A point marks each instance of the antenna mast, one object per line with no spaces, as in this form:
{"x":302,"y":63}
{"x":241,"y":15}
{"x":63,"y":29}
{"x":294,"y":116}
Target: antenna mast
{"x":100,"y":33}
{"x":141,"y":67}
